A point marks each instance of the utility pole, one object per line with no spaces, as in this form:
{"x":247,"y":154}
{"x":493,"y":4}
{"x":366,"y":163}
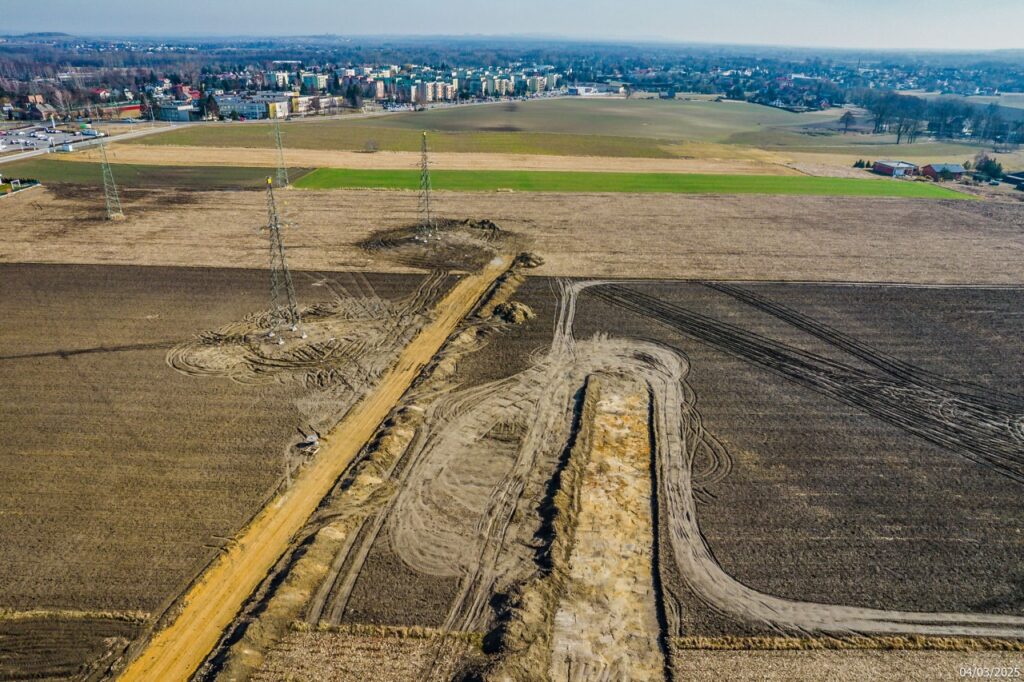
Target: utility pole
{"x":110,"y":195}
{"x":114,"y":211}
{"x":284,"y":311}
{"x":282,"y":169}
{"x":428,"y":225}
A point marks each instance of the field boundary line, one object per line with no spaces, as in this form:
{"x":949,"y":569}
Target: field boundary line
{"x":822,"y":282}
{"x":852,"y":643}
{"x":15,"y":615}
{"x":214,"y":600}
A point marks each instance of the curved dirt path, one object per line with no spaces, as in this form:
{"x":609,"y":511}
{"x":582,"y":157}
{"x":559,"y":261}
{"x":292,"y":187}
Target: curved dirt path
{"x":213,"y":601}
{"x":438,"y":532}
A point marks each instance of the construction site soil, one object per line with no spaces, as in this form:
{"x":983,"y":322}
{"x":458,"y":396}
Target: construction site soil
{"x":833,"y":499}
{"x":124,"y":477}
{"x":592,"y":235}
{"x":851,"y":473}
{"x":352,"y":657}
{"x":47,"y":648}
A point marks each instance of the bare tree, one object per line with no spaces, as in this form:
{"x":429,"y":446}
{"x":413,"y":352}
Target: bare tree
{"x":847,"y":119}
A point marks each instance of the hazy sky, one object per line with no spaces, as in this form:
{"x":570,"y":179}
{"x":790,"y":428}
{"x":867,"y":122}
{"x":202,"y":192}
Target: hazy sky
{"x":940,"y":24}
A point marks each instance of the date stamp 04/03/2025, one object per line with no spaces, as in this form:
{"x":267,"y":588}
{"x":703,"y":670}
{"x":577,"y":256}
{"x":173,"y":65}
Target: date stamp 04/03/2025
{"x":1006,"y":672}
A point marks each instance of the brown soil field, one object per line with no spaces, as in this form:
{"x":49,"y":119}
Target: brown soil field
{"x":314,"y":158}
{"x":890,"y":508}
{"x":348,"y":657}
{"x":123,"y":476}
{"x":664,"y":236}
{"x":853,"y":415}
{"x":835,"y":500}
{"x":846,"y":666}
{"x":212,"y":603}
{"x":61,"y":649}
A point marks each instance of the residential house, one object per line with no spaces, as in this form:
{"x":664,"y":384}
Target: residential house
{"x":937,"y":171}
{"x":896,"y":169}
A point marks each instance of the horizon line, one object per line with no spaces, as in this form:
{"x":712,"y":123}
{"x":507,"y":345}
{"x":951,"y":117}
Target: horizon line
{"x":603,"y":40}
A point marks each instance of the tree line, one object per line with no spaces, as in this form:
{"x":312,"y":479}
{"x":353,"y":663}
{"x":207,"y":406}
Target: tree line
{"x":909,"y":116}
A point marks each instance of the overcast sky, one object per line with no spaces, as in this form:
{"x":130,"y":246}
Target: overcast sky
{"x":916,"y":24}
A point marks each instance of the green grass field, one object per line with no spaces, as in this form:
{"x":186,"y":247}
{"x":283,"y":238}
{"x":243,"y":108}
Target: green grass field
{"x":355,"y":135}
{"x":668,"y":120}
{"x":598,"y":127}
{"x":552,"y":181}
{"x":569,"y":127}
{"x":55,"y":171}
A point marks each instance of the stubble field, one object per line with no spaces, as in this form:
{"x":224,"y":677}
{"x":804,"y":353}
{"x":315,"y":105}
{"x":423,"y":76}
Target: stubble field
{"x":600,"y":235}
{"x":842,"y":467}
{"x":124,"y":477}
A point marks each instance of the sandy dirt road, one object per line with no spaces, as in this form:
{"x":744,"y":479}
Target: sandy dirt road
{"x":606,"y":625}
{"x":210,"y":605}
{"x":173,"y":155}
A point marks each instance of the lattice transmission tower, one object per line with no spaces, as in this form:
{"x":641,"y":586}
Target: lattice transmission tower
{"x":110,"y":195}
{"x":284,"y":311}
{"x":428,"y":224}
{"x":114,"y":211}
{"x":282,"y":169}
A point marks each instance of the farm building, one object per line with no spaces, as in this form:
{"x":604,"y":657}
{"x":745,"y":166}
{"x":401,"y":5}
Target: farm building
{"x":934,"y":171}
{"x":896,"y":169}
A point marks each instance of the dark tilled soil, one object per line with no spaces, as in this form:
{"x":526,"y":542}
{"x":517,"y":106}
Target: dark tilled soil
{"x":825,"y":502}
{"x":511,"y":349}
{"x":122,"y":477}
{"x":388,"y":592}
{"x":59,"y":649}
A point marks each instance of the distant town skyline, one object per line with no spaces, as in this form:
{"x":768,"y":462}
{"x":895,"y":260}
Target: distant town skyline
{"x":869,"y":24}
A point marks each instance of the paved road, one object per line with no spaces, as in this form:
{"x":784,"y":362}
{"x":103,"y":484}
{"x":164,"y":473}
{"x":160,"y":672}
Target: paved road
{"x":82,"y":144}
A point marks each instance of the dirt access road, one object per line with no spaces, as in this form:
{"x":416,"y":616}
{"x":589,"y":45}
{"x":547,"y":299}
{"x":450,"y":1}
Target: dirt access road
{"x":212,"y":603}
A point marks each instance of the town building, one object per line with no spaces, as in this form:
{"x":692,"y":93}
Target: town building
{"x":896,"y":169}
{"x":177,"y":111}
{"x":935,"y":171}
{"x":314,"y":82}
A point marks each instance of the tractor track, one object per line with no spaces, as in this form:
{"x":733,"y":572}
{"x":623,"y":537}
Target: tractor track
{"x":976,"y":429}
{"x":212,"y":603}
{"x":450,"y":519}
{"x":892,"y":366}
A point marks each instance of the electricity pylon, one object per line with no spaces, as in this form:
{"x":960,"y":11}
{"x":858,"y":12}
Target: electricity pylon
{"x":427,"y":224}
{"x":282,"y":170}
{"x":284,"y":311}
{"x":110,"y":195}
{"x":114,"y":211}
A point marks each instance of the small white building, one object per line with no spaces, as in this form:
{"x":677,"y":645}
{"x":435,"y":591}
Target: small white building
{"x":175,"y":111}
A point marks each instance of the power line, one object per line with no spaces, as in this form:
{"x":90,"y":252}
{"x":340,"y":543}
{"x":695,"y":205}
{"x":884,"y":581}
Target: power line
{"x":284,"y":311}
{"x":110,"y":195}
{"x":114,"y":211}
{"x":428,"y":225}
{"x":282,"y":169}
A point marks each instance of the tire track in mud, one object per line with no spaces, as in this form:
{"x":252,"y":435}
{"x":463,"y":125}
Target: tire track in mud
{"x":214,"y":600}
{"x":455,"y":509}
{"x":889,"y":364}
{"x":687,"y":455}
{"x":428,"y":522}
{"x":988,"y":434}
